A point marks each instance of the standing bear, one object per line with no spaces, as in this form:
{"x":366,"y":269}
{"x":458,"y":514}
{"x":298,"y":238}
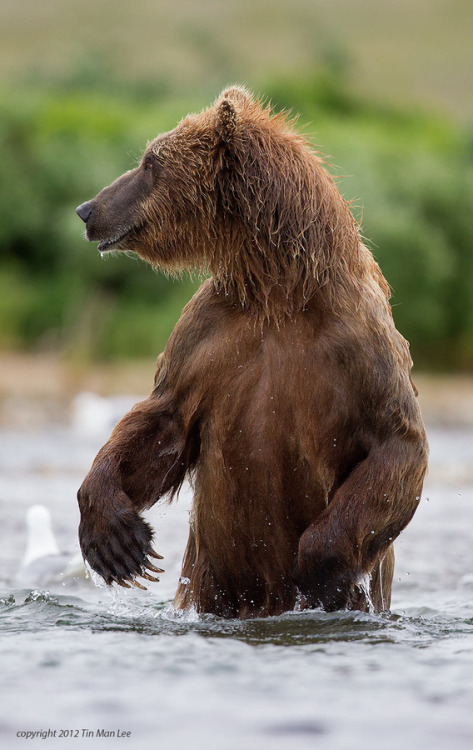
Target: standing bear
{"x":284,"y":391}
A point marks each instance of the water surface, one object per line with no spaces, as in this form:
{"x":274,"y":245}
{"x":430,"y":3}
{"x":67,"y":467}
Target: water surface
{"x":80,"y":659}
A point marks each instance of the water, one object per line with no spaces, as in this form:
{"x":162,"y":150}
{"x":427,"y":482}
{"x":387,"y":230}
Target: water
{"x":79,"y":659}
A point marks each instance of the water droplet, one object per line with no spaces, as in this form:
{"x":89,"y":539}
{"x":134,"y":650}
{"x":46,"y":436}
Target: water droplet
{"x":184,"y":580}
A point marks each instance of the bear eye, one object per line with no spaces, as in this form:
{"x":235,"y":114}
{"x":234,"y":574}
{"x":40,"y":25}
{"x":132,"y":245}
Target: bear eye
{"x":148,"y":164}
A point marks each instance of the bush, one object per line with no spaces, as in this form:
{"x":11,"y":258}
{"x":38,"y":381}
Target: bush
{"x":411,"y":182}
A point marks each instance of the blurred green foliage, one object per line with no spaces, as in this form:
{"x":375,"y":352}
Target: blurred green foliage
{"x":408,"y":174}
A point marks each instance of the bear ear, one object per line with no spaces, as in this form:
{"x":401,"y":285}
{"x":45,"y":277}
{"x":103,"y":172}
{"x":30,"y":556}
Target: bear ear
{"x":229,"y":105}
{"x":240,"y":96}
{"x":226,"y":119}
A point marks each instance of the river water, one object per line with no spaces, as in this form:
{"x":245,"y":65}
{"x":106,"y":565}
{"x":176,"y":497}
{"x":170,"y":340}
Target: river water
{"x":91,"y":665}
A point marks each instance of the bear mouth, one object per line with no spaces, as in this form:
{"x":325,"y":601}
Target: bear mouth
{"x":111,"y":244}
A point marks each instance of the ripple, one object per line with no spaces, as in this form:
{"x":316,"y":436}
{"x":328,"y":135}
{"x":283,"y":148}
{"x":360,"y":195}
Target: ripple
{"x":39,"y":610}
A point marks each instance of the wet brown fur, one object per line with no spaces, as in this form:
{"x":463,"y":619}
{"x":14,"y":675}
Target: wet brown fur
{"x":284,"y":390}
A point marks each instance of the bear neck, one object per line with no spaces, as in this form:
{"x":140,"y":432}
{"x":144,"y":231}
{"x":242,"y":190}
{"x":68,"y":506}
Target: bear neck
{"x":286,"y":238}
{"x":275,"y":280}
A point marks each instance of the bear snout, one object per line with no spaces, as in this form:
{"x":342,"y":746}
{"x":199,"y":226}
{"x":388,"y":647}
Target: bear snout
{"x":84,"y":211}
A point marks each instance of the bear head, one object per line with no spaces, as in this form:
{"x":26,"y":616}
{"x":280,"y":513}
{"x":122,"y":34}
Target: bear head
{"x":164,"y":209}
{"x":234,"y":190}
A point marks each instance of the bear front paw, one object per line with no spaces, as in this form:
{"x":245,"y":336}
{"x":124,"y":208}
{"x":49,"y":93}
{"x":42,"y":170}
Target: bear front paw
{"x":116,"y":541}
{"x":327,"y":589}
{"x":326,"y":571}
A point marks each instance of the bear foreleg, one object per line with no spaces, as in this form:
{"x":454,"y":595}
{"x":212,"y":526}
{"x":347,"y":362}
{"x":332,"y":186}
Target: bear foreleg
{"x":143,"y":460}
{"x":347,"y":544}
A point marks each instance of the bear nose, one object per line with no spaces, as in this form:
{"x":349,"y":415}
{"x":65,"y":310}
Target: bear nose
{"x":84,"y":210}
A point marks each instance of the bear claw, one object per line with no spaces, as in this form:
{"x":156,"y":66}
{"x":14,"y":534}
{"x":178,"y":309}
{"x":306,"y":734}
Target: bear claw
{"x":153,"y":553}
{"x":150,"y":578}
{"x":152,"y":567}
{"x":139,"y":585}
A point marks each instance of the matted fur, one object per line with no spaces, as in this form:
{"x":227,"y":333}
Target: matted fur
{"x":284,"y":389}
{"x":272,"y":227}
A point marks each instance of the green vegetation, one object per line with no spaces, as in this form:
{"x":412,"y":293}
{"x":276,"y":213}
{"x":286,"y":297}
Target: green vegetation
{"x":410,"y":179}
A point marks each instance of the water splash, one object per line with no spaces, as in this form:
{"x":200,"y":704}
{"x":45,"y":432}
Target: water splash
{"x":96,"y":579}
{"x":364,"y":586}
{"x":39,"y":596}
{"x":169,"y":612}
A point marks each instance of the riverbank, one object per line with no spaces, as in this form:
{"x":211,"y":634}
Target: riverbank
{"x":37,"y":389}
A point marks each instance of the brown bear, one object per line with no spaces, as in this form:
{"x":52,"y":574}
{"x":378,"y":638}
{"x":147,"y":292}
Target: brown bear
{"x":284,"y":391}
